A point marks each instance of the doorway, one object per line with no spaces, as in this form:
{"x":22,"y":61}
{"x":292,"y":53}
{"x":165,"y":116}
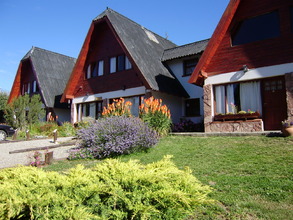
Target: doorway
{"x":274,"y":102}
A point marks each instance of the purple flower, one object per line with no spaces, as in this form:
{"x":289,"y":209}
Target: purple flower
{"x":113,"y":136}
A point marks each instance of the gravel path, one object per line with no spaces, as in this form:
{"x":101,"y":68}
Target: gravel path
{"x":9,"y":157}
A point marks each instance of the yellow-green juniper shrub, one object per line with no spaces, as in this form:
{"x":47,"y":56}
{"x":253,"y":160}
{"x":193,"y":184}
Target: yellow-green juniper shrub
{"x":111,"y":190}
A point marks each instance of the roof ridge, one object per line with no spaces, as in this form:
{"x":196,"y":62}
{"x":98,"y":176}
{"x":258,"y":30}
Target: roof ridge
{"x":186,"y":45}
{"x":49,"y":51}
{"x":110,"y":10}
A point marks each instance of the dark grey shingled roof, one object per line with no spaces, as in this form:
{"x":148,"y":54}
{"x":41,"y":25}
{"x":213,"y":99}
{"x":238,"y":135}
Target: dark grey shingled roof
{"x":146,"y":49}
{"x":185,"y":50}
{"x":52,"y":72}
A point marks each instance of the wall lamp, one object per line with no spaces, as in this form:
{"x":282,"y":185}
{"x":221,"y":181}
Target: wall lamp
{"x":245,"y":68}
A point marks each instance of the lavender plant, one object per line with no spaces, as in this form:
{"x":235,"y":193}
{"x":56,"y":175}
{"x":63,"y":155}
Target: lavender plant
{"x":113,"y":136}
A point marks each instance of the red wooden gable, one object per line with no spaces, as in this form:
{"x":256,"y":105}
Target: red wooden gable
{"x":16,"y":87}
{"x":101,"y":43}
{"x":25,"y":74}
{"x":221,"y":57}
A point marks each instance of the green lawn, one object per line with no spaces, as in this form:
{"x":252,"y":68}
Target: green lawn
{"x":251,"y":176}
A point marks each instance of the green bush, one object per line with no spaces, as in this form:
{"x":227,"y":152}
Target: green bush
{"x":111,"y":190}
{"x":66,"y":130}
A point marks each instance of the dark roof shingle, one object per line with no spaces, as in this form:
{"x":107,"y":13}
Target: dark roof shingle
{"x":146,"y":49}
{"x":185,"y":50}
{"x":52,"y":72}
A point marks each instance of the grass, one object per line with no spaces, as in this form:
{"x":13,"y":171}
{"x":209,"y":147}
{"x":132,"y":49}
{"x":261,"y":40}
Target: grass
{"x":251,"y":176}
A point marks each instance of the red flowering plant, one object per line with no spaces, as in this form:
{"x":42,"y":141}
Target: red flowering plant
{"x":156,"y":115}
{"x":117,"y":108}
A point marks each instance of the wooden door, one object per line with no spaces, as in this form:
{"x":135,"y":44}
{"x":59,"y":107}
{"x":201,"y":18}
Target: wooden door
{"x":274,"y":102}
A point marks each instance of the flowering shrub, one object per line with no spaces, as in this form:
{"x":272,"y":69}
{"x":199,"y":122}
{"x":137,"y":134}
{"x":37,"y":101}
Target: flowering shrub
{"x":117,"y":108}
{"x":36,"y":159}
{"x":157,"y":116}
{"x":114,"y":136}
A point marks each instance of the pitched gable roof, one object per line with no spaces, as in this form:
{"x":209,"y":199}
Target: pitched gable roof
{"x":185,"y":50}
{"x":52,"y":71}
{"x":144,"y":47}
{"x":199,"y":73}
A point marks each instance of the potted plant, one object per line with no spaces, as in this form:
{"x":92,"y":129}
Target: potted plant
{"x":287,"y":128}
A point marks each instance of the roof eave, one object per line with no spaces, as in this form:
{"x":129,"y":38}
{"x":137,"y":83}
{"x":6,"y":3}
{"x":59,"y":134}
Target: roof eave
{"x":74,"y":77}
{"x":214,"y":43}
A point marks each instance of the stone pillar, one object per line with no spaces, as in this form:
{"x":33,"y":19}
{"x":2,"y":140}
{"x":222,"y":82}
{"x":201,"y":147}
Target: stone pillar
{"x":207,"y":105}
{"x":289,"y":94}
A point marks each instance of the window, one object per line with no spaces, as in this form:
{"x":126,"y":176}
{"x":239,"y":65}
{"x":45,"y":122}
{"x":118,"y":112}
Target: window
{"x":233,"y":98}
{"x":26,"y":88}
{"x":192,"y":107}
{"x":112,"y":64}
{"x":257,"y":28}
{"x":35,"y":87}
{"x":189,"y":66}
{"x":90,"y":109}
{"x":86,"y":109}
{"x":88,"y":72}
{"x":101,"y":68}
{"x":119,"y":63}
{"x":95,"y":69}
{"x":128,"y":65}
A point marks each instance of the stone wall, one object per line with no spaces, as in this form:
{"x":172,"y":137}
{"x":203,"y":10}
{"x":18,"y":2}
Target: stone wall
{"x":235,"y":126}
{"x":289,"y":94}
{"x":207,"y":103}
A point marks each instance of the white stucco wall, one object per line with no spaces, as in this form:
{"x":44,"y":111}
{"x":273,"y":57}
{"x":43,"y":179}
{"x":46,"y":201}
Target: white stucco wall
{"x":110,"y":95}
{"x":257,"y":73}
{"x":177,"y":68}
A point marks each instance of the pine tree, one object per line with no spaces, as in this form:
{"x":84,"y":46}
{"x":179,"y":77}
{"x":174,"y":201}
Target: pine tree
{"x":24,"y":111}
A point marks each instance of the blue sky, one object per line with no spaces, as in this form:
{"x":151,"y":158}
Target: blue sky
{"x":61,"y":25}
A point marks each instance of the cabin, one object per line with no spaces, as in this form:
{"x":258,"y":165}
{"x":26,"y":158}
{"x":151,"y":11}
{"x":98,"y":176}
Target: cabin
{"x":246,"y":70}
{"x":45,"y":73}
{"x":120,"y":58}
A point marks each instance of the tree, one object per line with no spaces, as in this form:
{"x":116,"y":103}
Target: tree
{"x":36,"y":112}
{"x":3,"y":103}
{"x":24,"y":111}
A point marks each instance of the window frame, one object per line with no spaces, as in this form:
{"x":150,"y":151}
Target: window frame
{"x":190,"y":63}
{"x":241,"y":25}
{"x":113,"y":64}
{"x":122,"y":63}
{"x":93,"y":69}
{"x":237,"y":105}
